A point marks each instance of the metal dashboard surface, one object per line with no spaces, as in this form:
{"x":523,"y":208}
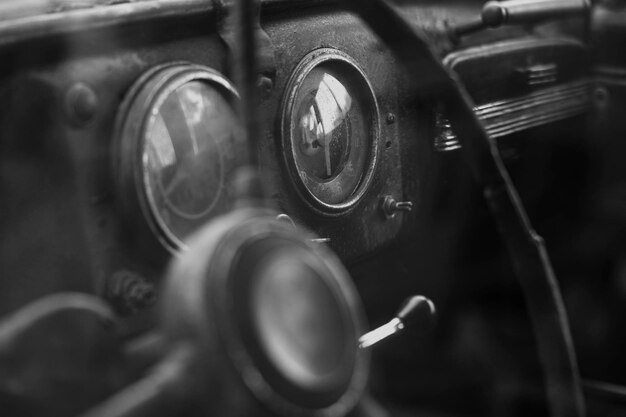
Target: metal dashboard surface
{"x":96,"y":238}
{"x":64,"y":226}
{"x":107,"y":46}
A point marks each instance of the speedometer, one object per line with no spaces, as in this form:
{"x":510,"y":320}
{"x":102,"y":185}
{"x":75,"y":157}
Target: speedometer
{"x":180,"y":142}
{"x":330,"y":131}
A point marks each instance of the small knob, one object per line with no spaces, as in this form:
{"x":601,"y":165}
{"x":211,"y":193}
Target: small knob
{"x":414,"y":311}
{"x":285,"y":218}
{"x":417,"y":311}
{"x":498,"y":13}
{"x":390,"y":206}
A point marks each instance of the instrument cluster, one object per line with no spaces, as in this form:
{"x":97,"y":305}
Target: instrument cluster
{"x":327,"y":158}
{"x":178,"y":141}
{"x":151,"y":132}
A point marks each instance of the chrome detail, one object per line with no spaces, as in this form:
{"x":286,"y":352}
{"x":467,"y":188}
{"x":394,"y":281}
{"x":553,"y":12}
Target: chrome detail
{"x":507,"y":47}
{"x":539,"y":74}
{"x":321,"y":240}
{"x":542,"y":107}
{"x":497,"y":13}
{"x":416,"y":310}
{"x":371,"y":338}
{"x":505,"y":117}
{"x":285,"y":218}
{"x":445,"y":139}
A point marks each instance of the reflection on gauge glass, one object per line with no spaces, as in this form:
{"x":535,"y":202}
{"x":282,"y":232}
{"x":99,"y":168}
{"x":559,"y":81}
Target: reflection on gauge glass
{"x":189,"y":144}
{"x":330,"y":130}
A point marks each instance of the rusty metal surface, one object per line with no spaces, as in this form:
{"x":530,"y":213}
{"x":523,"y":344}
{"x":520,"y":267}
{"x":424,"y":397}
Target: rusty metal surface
{"x":33,"y":19}
{"x":40,"y":23}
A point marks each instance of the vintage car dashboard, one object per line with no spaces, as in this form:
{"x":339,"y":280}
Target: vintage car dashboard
{"x":121,"y":137}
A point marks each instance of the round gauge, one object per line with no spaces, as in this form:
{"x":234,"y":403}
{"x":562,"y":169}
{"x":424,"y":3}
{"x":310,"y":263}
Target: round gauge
{"x":330,"y":130}
{"x":180,"y":142}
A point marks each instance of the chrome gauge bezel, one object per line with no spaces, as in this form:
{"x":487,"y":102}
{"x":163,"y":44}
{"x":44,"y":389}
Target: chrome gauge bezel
{"x":316,"y":58}
{"x":134,"y":115}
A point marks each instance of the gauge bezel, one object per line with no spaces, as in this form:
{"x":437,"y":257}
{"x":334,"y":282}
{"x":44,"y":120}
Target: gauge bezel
{"x":146,"y":94}
{"x":311,"y":61}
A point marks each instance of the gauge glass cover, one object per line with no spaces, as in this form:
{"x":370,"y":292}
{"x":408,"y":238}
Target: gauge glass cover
{"x":183,"y":127}
{"x":188,"y":154}
{"x":332,"y":131}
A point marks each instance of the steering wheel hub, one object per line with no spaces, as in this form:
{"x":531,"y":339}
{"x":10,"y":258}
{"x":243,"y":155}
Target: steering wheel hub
{"x":279,"y":307}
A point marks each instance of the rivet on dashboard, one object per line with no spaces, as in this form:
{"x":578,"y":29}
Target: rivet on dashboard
{"x":81,"y":103}
{"x":601,"y":97}
{"x":265,"y":86}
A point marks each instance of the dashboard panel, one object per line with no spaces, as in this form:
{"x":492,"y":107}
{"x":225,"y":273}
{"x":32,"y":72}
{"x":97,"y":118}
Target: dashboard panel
{"x":120,"y":137}
{"x":124,"y":231}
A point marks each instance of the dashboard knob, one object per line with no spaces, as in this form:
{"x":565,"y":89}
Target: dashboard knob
{"x":390,"y":206}
{"x":417,"y":311}
{"x":414,"y":311}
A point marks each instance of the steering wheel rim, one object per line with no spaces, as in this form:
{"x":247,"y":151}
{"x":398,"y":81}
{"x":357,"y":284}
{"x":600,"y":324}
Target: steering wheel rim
{"x":526,"y":248}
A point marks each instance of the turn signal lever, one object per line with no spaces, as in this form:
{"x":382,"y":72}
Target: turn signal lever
{"x":497,"y":13}
{"x":414,"y":311}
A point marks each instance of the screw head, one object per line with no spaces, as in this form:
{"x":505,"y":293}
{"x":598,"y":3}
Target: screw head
{"x":81,"y":104}
{"x":601,"y":96}
{"x":391,"y":118}
{"x":265,"y":86}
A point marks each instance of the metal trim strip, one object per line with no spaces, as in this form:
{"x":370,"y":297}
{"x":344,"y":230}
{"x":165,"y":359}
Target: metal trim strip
{"x":43,"y":19}
{"x":95,"y":17}
{"x":505,"y":117}
{"x":536,"y":109}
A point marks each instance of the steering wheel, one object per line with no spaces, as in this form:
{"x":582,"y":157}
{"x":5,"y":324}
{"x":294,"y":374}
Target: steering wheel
{"x":526,"y":248}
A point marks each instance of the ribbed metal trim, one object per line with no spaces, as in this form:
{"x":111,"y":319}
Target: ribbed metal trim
{"x":539,"y":108}
{"x":505,"y":117}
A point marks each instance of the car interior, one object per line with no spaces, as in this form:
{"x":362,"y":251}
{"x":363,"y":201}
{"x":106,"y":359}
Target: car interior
{"x":312,"y":208}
